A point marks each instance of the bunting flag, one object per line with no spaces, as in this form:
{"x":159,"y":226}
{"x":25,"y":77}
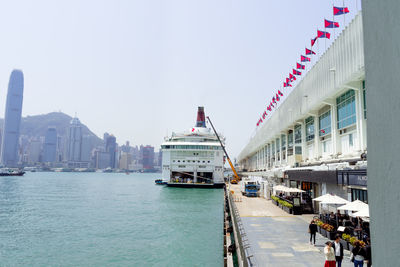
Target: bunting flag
{"x":309,"y":52}
{"x":259,"y":122}
{"x":280,"y":93}
{"x":305,"y":59}
{"x":264,"y":115}
{"x":296,"y":72}
{"x":288,"y":81}
{"x":292,"y":77}
{"x":313,"y":41}
{"x":331,"y":24}
{"x":287,"y":85}
{"x":300,"y":66}
{"x":322,"y":34}
{"x":273,"y":100}
{"x":271,"y":104}
{"x":340,"y":10}
{"x":269,"y":107}
{"x":277,"y":97}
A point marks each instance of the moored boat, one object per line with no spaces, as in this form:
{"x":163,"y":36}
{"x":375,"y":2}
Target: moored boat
{"x":194,"y":158}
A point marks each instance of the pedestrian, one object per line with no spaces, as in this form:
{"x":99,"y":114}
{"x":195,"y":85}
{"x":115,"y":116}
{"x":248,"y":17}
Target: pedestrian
{"x":358,"y":255}
{"x":338,"y":247}
{"x":329,"y":255}
{"x":368,"y":253}
{"x":312,"y":229}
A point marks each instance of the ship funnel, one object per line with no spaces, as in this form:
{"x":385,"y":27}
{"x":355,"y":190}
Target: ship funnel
{"x":201,"y":119}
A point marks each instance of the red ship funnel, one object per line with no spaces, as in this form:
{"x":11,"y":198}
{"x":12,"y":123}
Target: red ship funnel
{"x":201,"y":118}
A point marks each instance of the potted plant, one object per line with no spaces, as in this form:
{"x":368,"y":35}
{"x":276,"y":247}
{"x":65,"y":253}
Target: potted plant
{"x":345,"y":241}
{"x":274,"y":200}
{"x":352,"y":240}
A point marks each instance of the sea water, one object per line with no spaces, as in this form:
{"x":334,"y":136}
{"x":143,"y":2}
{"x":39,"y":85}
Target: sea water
{"x":107,"y":219}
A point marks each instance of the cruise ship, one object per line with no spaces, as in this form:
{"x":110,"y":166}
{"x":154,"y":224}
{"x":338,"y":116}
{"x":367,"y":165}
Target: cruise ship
{"x":194,"y":158}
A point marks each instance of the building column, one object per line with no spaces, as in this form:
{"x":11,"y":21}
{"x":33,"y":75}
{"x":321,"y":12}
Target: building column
{"x":359,"y":118}
{"x":303,"y":142}
{"x":287,"y":146}
{"x":316,"y":138}
{"x":280,"y":149}
{"x":334,"y":131}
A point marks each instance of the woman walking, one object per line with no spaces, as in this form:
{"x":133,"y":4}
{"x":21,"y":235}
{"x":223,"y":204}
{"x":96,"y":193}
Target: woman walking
{"x":329,"y":255}
{"x":312,"y":229}
{"x":358,"y":254}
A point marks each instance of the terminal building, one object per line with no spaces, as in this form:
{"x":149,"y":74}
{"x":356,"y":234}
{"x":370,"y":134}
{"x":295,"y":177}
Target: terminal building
{"x":316,"y":140}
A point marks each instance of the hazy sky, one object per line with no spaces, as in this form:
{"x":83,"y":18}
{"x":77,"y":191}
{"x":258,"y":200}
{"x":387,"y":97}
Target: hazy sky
{"x":139,"y":69}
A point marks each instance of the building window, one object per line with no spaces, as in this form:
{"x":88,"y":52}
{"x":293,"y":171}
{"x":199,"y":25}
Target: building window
{"x":297,"y":134}
{"x":278,"y":146}
{"x":290,"y":143}
{"x":273,"y":151}
{"x":290,"y":138}
{"x":309,"y":128}
{"x":324,"y":147}
{"x":359,"y":194}
{"x":351,"y":140}
{"x":364,"y":99}
{"x":346,"y":109}
{"x":283,"y":138}
{"x":297,"y":150}
{"x":325,"y":123}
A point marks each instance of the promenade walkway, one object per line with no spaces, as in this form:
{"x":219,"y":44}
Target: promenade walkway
{"x":278,"y":238}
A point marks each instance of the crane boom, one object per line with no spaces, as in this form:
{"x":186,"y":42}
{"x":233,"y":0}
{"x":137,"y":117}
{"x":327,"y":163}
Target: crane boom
{"x":226,"y":153}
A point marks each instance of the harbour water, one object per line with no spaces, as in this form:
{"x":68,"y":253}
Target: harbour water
{"x":107,"y":219}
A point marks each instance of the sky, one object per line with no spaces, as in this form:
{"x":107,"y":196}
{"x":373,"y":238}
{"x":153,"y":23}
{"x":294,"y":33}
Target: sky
{"x":140,"y":69}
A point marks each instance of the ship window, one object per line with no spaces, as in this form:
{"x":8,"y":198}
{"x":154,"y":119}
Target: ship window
{"x":208,"y":161}
{"x":183,"y":161}
{"x":194,"y":161}
{"x":204,"y":161}
{"x":179,"y":161}
{"x":173,"y":161}
{"x":198,"y":161}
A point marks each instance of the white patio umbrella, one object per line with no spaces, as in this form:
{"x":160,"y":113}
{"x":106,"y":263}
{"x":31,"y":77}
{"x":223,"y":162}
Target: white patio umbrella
{"x":280,"y":188}
{"x":334,"y":200}
{"x":362,"y":213}
{"x":356,"y":205}
{"x":323,"y":197}
{"x":294,"y":190}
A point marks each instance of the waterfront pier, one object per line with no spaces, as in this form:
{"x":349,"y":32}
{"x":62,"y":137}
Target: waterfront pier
{"x":272,"y":237}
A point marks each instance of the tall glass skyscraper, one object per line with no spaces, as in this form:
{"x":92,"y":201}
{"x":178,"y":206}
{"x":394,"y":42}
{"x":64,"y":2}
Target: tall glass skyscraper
{"x":50,"y":145}
{"x":12,"y":121}
{"x":75,"y":140}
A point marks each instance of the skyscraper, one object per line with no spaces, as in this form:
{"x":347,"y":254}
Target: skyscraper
{"x":147,"y":157}
{"x":50,"y":145}
{"x":75,"y":141}
{"x":12,"y":119}
{"x":111,"y":148}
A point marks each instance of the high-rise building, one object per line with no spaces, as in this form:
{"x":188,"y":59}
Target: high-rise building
{"x":75,"y":141}
{"x":125,"y":161}
{"x":87,"y":148}
{"x":34,"y":151}
{"x":12,"y":119}
{"x":147,"y":153}
{"x":50,"y":145}
{"x":111,"y":149}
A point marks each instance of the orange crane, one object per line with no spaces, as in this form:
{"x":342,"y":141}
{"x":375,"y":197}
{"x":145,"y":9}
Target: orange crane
{"x":236,"y":178}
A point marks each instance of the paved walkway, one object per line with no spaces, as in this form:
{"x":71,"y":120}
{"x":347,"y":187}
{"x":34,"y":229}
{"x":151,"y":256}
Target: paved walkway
{"x":278,"y":238}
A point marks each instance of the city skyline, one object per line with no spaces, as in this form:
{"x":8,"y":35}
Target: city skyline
{"x":143,"y":68}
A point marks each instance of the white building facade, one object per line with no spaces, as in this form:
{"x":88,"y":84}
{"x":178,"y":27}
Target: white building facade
{"x":321,"y":125}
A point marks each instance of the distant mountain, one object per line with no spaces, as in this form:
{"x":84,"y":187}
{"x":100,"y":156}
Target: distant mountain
{"x":36,"y":126}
